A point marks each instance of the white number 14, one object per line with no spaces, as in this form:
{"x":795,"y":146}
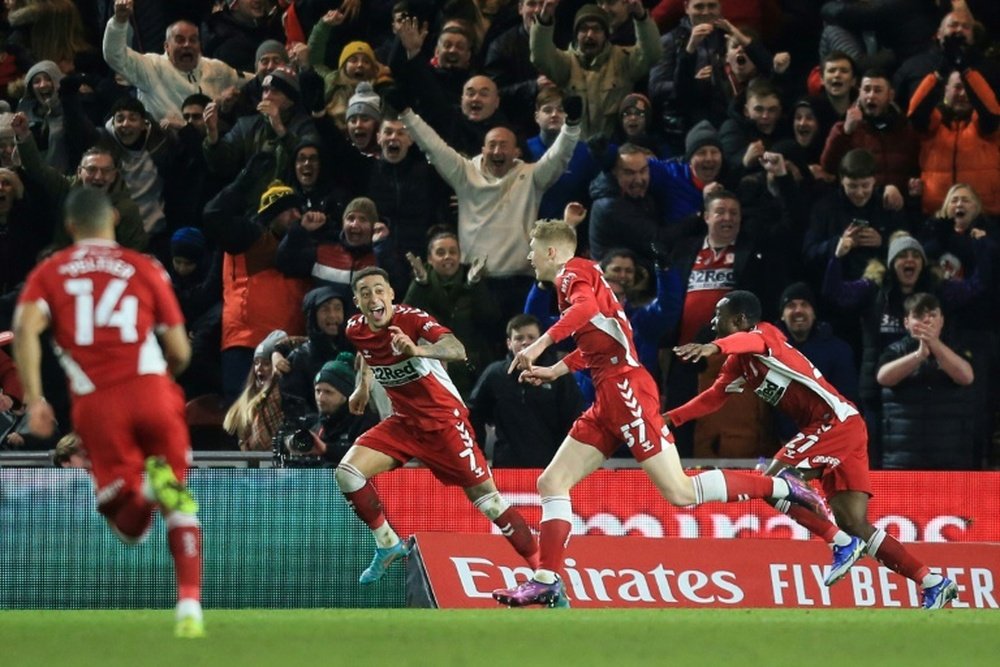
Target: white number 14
{"x":112,"y":310}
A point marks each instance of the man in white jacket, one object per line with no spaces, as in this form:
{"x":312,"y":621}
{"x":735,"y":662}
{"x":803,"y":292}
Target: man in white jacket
{"x":498,"y":196}
{"x":164,"y":80}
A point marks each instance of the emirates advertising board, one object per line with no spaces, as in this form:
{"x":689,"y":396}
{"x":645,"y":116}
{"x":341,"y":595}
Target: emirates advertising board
{"x":718,"y":555}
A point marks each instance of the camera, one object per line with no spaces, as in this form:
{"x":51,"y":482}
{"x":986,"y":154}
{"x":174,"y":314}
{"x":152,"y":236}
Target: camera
{"x":859,"y":222}
{"x":294,"y":445}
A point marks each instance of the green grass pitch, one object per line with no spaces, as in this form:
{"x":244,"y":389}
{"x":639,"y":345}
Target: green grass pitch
{"x":516,"y":637}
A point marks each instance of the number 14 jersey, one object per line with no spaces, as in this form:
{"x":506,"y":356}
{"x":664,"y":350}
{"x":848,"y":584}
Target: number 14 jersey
{"x":105,"y":303}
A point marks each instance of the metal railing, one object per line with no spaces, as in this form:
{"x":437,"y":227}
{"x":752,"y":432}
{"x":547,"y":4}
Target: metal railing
{"x":231,"y":459}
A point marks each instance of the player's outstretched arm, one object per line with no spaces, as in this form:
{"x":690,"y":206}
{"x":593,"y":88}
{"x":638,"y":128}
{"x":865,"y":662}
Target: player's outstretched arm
{"x":696,"y":351}
{"x":539,"y":375}
{"x":446,"y":348}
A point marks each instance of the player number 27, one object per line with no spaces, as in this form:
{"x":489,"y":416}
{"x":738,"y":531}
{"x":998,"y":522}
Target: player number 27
{"x":112,"y":311}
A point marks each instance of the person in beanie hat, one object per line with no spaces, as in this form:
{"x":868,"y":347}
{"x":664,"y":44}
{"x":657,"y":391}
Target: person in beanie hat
{"x":594,"y":14}
{"x":602,"y":73}
{"x":276,"y":128}
{"x":682,"y":183}
{"x":330,"y":256}
{"x":255,"y":416}
{"x":902,"y":243}
{"x":188,"y":249}
{"x":257,"y":297}
{"x":356,"y":63}
{"x":42,"y":106}
{"x":335,"y":426}
{"x":284,"y":80}
{"x":635,"y":115}
{"x":364,"y":115}
{"x":277,"y":199}
{"x":339,"y":374}
{"x":701,"y":135}
{"x":270,"y":54}
{"x":832,"y":356}
{"x":362,"y":205}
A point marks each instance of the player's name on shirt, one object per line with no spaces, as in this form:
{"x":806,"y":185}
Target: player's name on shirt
{"x":114,"y":266}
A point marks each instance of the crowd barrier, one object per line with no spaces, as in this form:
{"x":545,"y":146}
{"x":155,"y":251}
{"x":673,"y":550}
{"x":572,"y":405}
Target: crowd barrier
{"x":286,"y":538}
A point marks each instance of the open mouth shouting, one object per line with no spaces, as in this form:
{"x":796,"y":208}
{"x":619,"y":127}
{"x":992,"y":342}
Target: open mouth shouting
{"x":393,"y":149}
{"x":377,"y":313}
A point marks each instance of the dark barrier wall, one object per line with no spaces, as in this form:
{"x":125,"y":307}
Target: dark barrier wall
{"x":273,"y":538}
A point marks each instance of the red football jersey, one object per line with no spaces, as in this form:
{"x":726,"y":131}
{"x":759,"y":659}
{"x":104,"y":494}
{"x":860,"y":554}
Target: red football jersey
{"x":595,"y":318}
{"x":780,"y":375}
{"x":106,"y":304}
{"x":420,"y":389}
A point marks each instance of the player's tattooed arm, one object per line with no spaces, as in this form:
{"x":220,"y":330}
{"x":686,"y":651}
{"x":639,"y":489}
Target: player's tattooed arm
{"x":447,"y":348}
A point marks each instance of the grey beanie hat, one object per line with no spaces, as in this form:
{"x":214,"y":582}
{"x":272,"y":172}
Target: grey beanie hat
{"x":365,"y":101}
{"x":266,"y":347}
{"x":271,"y":46}
{"x":898,"y":245}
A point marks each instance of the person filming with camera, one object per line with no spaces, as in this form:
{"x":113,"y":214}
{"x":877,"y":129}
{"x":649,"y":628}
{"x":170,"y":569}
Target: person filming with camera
{"x":323,"y":437}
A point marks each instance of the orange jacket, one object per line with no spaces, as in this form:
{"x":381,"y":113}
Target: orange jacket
{"x":955,"y":152}
{"x":257,"y":298}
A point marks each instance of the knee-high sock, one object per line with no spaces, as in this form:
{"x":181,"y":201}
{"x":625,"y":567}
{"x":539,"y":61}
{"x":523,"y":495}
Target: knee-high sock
{"x":360,"y":495}
{"x":729,"y":486}
{"x":888,"y":550}
{"x":184,"y":540}
{"x":511,"y":524}
{"x":814,"y":523}
{"x":516,"y":530}
{"x":557,"y":521}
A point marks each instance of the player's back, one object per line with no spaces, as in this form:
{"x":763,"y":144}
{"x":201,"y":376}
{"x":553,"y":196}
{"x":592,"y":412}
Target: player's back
{"x":605,"y":340}
{"x":105,"y":304}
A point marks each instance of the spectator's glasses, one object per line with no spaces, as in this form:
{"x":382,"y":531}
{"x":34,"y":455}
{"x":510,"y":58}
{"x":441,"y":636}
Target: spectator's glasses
{"x":307,"y":159}
{"x":638,"y":113}
{"x":191,"y":117}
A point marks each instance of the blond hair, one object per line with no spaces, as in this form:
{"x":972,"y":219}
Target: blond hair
{"x":556,"y":232}
{"x":942,"y":212}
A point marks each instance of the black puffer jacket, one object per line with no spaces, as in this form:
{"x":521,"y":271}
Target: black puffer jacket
{"x":928,"y":421}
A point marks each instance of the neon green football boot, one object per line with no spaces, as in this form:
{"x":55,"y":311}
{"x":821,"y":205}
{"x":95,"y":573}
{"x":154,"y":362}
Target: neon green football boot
{"x":168,"y":491}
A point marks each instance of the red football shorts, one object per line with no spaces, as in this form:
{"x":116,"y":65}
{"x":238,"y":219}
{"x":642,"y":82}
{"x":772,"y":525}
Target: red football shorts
{"x":122,"y":425}
{"x":626,"y":409}
{"x":450,"y":452}
{"x":838,"y":449}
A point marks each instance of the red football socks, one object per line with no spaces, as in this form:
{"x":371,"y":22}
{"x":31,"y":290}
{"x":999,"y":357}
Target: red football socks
{"x":185,"y":547}
{"x":514,"y":528}
{"x":367,"y":505}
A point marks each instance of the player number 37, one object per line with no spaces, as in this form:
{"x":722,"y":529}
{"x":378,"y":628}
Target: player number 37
{"x":112,"y":311}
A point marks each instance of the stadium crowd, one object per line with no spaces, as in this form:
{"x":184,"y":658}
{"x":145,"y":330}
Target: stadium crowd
{"x":840,"y":159}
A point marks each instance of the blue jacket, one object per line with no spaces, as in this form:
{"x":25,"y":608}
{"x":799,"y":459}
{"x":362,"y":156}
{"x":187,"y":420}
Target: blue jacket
{"x":573,"y":185}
